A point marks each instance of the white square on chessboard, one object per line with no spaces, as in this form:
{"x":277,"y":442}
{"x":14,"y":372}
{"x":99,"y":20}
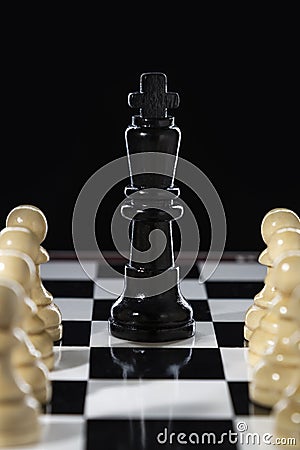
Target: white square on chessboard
{"x":259,"y":433}
{"x":61,"y":432}
{"x":108,"y":288}
{"x":192,"y":289}
{"x":68,"y":270}
{"x":65,"y":432}
{"x":158,"y":399}
{"x":235,"y":364}
{"x":204,"y":337}
{"x":229,"y":310}
{"x":232,"y":271}
{"x":72,"y":364}
{"x":75,"y":308}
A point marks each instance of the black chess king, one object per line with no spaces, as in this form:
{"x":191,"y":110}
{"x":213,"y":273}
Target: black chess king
{"x":144,"y":312}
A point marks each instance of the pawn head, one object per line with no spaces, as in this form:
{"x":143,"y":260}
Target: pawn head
{"x":31,"y":217}
{"x":278,"y":218}
{"x":282,"y":240}
{"x":22,"y":239}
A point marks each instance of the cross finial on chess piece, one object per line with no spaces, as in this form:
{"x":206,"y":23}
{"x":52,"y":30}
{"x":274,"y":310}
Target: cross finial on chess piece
{"x":153,"y":100}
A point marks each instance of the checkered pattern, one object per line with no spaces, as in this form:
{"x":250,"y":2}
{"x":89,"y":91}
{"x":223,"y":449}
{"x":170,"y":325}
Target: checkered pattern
{"x":114,"y":394}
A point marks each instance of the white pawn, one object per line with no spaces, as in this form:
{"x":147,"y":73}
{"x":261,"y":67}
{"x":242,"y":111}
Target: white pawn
{"x":24,"y":240}
{"x":286,"y":412}
{"x":273,"y":322}
{"x":33,"y":218}
{"x":25,"y":359}
{"x":274,"y":372}
{"x":274,"y":220}
{"x":19,"y":410}
{"x":18,"y":266}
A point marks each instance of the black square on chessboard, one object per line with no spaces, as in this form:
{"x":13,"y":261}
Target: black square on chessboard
{"x":101,"y":309}
{"x":201,"y":311}
{"x":156,"y":363}
{"x":70,"y":288}
{"x":229,"y":334}
{"x":76,"y":333}
{"x":68,"y":397}
{"x":233,"y":289}
{"x":239,"y":391}
{"x":157,"y":434}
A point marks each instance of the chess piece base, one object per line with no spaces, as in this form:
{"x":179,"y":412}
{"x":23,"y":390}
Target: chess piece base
{"x":138,"y":316}
{"x":154,"y":334}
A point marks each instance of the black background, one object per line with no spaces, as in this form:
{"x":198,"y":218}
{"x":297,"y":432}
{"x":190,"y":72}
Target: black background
{"x":65,"y":111}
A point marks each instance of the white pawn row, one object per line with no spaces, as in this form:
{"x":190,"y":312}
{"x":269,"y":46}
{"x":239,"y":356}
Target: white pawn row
{"x":30,"y":323}
{"x":272,"y":326}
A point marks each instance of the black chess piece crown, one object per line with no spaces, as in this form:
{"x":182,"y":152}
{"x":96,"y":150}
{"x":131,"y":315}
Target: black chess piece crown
{"x":151,"y":307}
{"x":153,"y":100}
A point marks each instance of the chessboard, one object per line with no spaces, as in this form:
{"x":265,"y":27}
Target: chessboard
{"x":113,"y":394}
